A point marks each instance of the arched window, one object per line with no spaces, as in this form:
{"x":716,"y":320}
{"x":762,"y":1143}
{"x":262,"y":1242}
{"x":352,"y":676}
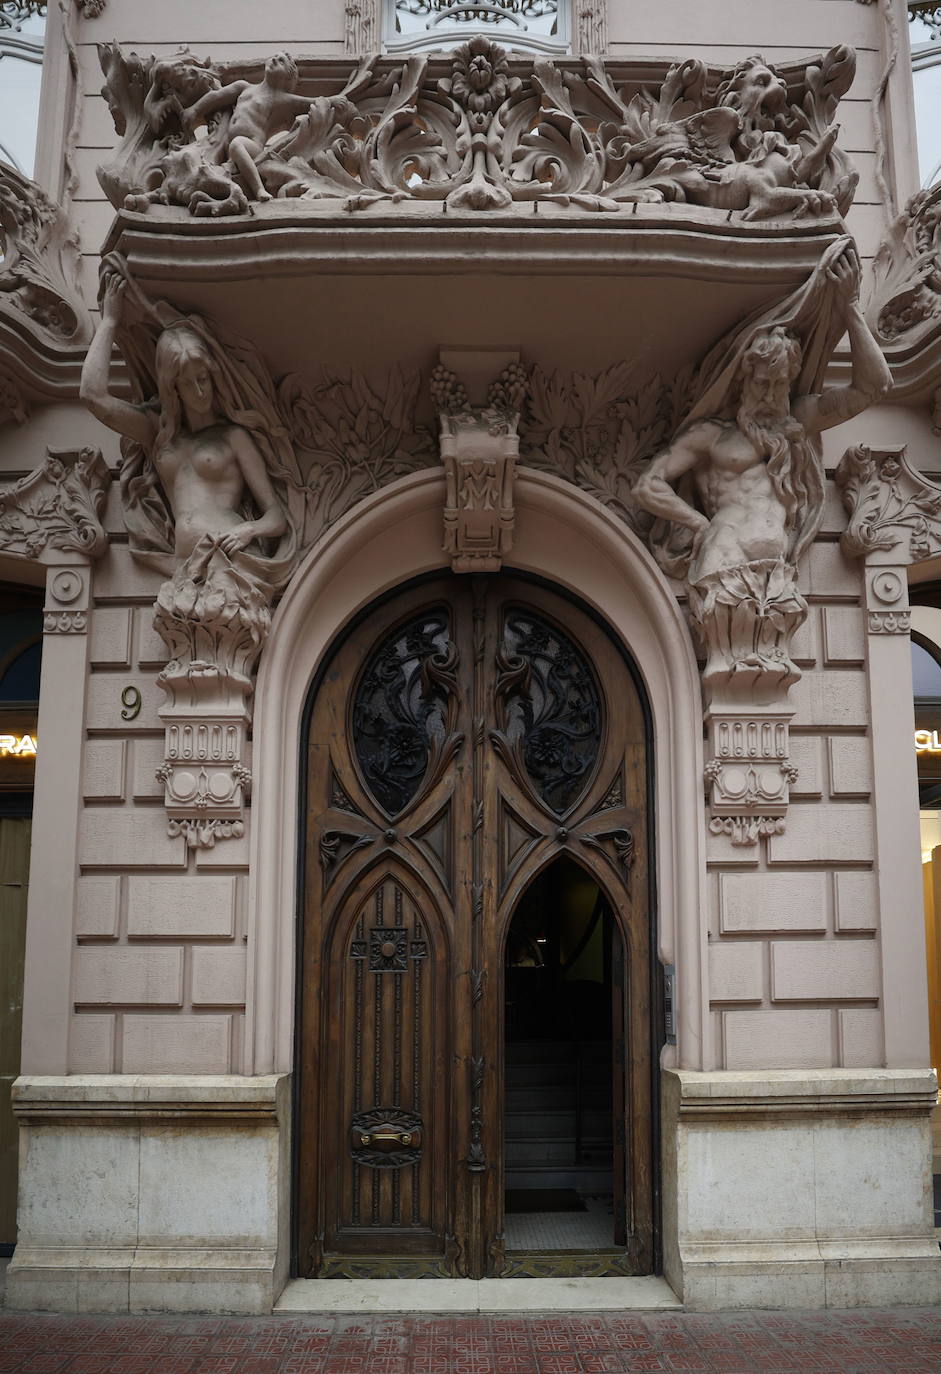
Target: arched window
{"x":925,"y":34}
{"x":540,"y":26}
{"x":22,"y":27}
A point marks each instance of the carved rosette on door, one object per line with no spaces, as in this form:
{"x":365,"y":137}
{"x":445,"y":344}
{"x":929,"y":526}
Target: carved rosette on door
{"x":460,"y":740}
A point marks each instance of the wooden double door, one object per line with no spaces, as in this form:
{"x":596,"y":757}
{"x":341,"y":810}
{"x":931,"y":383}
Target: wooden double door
{"x":465,"y":735}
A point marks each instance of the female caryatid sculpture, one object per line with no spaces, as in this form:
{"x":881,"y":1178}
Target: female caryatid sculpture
{"x":213,"y":500}
{"x":211,"y":493}
{"x":738,"y":495}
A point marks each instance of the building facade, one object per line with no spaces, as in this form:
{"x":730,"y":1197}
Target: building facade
{"x":479,"y":463}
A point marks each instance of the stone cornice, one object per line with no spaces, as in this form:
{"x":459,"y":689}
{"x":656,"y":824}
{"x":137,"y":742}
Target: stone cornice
{"x":779,"y":1093}
{"x":654,"y":240}
{"x":137,"y":1098}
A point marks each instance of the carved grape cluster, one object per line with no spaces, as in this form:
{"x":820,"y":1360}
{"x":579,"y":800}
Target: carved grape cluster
{"x":508,"y":392}
{"x":449,"y":394}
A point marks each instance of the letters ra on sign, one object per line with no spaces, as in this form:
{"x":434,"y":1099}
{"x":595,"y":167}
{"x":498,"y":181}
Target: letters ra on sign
{"x":18,"y":746}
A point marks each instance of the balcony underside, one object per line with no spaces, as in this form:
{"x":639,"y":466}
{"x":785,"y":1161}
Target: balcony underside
{"x":568,"y":288}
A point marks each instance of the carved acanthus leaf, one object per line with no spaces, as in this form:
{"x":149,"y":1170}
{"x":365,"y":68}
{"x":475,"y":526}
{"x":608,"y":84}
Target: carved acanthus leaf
{"x":39,"y":261}
{"x":487,"y":134}
{"x":906,"y":272}
{"x":58,"y":506}
{"x":354,"y":436}
{"x":891,"y":506}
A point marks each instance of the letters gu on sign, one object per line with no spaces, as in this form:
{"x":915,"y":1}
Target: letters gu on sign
{"x":926,"y":742}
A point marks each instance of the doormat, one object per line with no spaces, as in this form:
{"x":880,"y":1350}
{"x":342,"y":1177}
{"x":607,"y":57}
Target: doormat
{"x":543,"y":1200}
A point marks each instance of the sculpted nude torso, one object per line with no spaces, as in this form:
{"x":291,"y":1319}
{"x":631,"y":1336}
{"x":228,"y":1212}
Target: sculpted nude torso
{"x":207,"y":466}
{"x":740,"y":517}
{"x":746,"y":521}
{"x":202,"y":477}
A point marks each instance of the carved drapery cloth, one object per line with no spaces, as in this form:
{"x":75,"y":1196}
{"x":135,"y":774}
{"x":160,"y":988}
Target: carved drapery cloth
{"x":479,"y":132}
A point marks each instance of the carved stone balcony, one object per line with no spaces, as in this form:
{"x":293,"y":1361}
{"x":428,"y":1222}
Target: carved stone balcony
{"x":562,"y":207}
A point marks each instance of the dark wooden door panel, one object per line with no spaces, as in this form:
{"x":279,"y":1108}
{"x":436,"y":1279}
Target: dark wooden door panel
{"x":463,"y":735}
{"x":385,"y":1132}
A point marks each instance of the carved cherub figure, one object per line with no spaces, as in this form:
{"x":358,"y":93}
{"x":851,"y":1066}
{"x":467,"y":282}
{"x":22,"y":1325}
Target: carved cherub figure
{"x":260,"y":110}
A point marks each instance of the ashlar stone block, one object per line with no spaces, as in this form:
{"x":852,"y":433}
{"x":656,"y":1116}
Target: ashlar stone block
{"x":91,"y":1043}
{"x":736,"y":972}
{"x":860,"y":1032}
{"x":856,"y":902}
{"x":827,"y":971}
{"x":127,"y":838}
{"x":109,"y":636}
{"x":218,"y":976}
{"x":128,"y":977}
{"x":97,"y":908}
{"x":180,"y":908}
{"x":176,"y":1044}
{"x":850,"y":758}
{"x":832,"y":697}
{"x":778,"y":1039}
{"x":104,"y":769}
{"x":824,"y":834}
{"x":763,"y":903}
{"x":844,"y":636}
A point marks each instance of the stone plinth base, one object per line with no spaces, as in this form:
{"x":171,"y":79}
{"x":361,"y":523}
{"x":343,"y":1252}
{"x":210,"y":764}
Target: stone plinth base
{"x":151,"y":1193}
{"x":799,"y":1188}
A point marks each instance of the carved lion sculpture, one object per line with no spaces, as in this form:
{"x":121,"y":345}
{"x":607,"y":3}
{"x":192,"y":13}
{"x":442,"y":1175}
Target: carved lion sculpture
{"x":191,"y":180}
{"x":737,"y":155}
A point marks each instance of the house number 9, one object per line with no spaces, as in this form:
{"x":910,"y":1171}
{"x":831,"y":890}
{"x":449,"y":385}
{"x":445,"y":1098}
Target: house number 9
{"x":131,"y":701}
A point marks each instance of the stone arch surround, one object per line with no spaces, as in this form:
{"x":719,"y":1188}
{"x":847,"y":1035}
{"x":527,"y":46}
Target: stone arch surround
{"x":562,"y":535}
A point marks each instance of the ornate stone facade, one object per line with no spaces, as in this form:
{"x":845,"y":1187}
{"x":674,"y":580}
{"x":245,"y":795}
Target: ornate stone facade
{"x":485,"y":135}
{"x":573,"y":320}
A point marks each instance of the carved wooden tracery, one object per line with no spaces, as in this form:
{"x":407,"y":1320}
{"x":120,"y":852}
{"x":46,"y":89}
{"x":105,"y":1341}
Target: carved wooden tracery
{"x":520,"y":742}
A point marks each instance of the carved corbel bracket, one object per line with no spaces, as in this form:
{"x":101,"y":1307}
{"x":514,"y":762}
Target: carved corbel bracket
{"x":204,"y":775}
{"x":479,"y":449}
{"x":57,"y":508}
{"x":748,"y":773}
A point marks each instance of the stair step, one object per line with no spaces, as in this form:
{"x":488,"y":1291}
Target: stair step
{"x":527,"y":1125}
{"x":556,"y":1152}
{"x":584,"y":1178}
{"x":549,"y":1098}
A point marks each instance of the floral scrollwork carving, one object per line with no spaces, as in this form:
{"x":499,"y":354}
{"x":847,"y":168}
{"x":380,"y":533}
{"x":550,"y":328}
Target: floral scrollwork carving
{"x":485,"y":135}
{"x":905,"y":297}
{"x":890,"y":506}
{"x":39,"y":261}
{"x":404,"y":712}
{"x":57,"y":507}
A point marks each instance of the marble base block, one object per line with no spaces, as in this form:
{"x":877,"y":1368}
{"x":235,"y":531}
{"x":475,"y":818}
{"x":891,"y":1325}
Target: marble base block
{"x":799,"y":1188}
{"x":151,"y":1193}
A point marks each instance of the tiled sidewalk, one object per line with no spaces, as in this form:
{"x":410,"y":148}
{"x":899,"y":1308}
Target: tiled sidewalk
{"x":754,"y":1343}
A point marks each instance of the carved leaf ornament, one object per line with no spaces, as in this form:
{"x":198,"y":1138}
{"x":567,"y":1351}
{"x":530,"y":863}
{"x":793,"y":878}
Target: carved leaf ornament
{"x":403,"y":711}
{"x":487,"y":135}
{"x":550,"y":708}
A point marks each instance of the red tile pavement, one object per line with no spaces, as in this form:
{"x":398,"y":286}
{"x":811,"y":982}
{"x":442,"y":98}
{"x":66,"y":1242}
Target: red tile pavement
{"x":858,"y":1342}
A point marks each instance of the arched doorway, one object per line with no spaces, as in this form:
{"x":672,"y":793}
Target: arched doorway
{"x":565,"y":1179}
{"x":466,"y":734}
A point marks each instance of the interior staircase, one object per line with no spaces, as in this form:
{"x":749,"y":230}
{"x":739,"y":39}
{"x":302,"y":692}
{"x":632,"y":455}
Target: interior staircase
{"x":558,"y":1115}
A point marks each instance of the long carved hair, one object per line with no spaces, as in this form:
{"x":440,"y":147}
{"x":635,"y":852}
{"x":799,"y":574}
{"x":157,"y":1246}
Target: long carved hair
{"x":176,"y":346}
{"x":791,"y":462}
